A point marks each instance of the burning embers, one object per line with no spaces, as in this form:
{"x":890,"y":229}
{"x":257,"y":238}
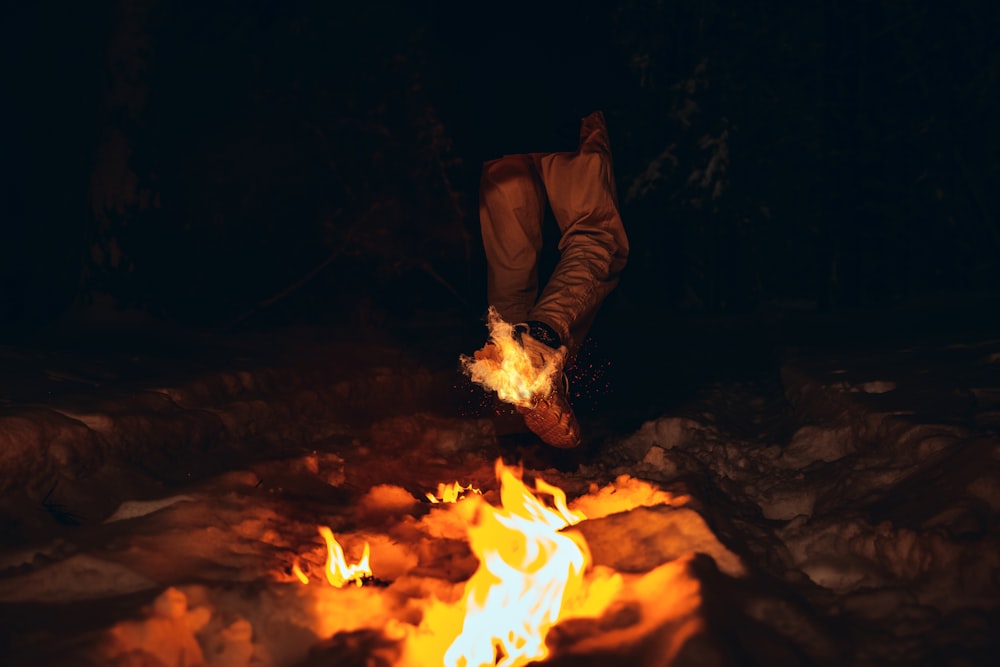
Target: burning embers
{"x":530,"y":574}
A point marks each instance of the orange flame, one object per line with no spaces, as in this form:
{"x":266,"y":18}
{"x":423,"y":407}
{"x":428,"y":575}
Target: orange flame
{"x":527,"y":570}
{"x":504,"y":366}
{"x":451,"y":493}
{"x":299,"y":574}
{"x":337,"y":571}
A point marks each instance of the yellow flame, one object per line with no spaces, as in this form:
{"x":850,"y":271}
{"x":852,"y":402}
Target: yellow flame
{"x":299,"y":574}
{"x":505,"y":367}
{"x":527,"y":570}
{"x":337,"y":571}
{"x":451,"y":493}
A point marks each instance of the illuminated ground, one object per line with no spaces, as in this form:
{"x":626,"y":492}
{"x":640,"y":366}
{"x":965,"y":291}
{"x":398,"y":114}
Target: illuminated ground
{"x":834,"y":506}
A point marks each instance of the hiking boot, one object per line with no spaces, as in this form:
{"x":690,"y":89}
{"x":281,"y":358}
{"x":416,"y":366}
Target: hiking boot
{"x":552,"y":419}
{"x":550,"y":415}
{"x":523,"y":364}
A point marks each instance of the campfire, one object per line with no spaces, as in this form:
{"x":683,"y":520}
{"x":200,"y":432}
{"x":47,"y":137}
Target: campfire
{"x":530,"y":574}
{"x":472,"y":575}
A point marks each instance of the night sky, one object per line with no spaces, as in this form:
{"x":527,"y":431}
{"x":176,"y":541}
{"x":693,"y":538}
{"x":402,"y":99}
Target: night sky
{"x":191,"y":162}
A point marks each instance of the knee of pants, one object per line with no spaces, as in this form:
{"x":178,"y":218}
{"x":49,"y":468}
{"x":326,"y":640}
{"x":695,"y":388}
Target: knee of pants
{"x":512,"y":178}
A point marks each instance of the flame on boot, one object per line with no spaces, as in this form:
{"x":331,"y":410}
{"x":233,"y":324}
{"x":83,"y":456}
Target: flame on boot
{"x":520,"y":369}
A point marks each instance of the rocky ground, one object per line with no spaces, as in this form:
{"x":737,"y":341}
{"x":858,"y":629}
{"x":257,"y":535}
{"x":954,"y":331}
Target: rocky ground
{"x":819,"y":493}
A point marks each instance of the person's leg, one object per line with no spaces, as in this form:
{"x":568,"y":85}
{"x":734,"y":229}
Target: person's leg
{"x":594,"y":248}
{"x":511,"y":210}
{"x":593,"y":251}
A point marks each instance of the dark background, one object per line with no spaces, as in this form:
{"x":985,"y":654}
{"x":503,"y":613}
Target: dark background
{"x":251,"y":164}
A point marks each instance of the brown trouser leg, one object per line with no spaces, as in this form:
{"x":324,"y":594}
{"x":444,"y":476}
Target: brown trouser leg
{"x":511,"y":209}
{"x":593,"y":248}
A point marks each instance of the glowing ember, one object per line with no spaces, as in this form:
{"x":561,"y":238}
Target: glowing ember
{"x":337,"y":571}
{"x":503,"y":366}
{"x":451,"y":493}
{"x":527,"y":570}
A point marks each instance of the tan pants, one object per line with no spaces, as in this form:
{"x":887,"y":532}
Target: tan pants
{"x":593,"y":248}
